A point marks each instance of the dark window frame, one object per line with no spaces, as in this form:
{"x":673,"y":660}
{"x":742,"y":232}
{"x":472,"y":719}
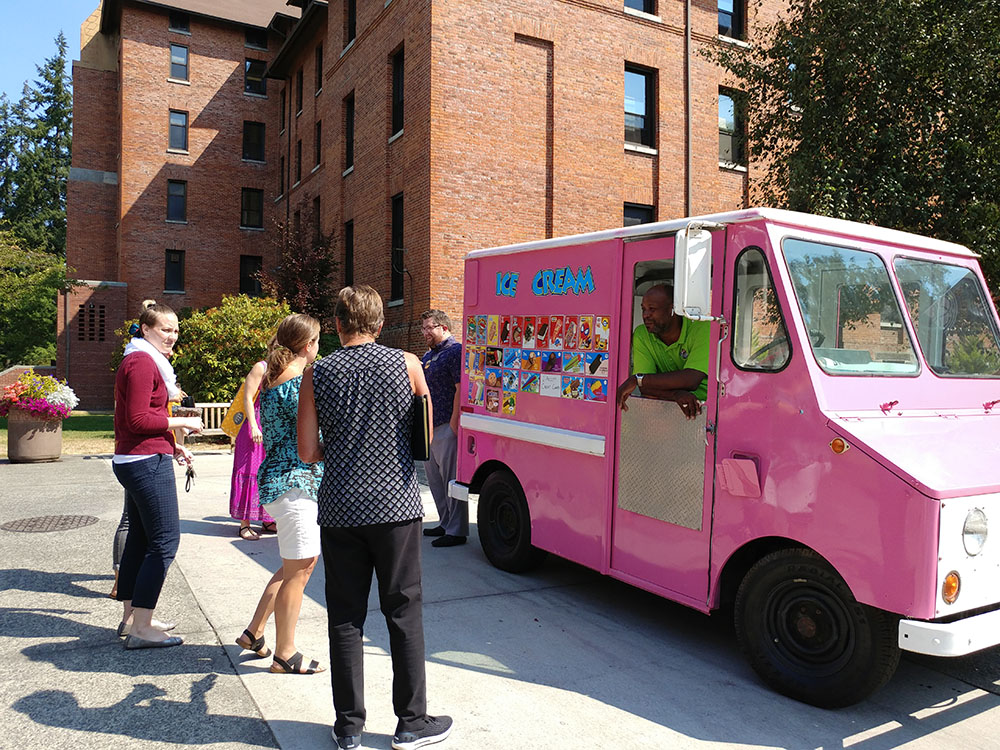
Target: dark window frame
{"x":733,"y":24}
{"x":741,"y":321}
{"x":317,"y":213}
{"x":173,"y":271}
{"x":178,"y":21}
{"x":282,"y":103}
{"x":180,"y":71}
{"x":648,"y":214}
{"x":281,"y":175}
{"x":319,"y":69}
{"x":396,"y":249}
{"x":250,"y":266}
{"x":298,"y":92}
{"x":643,"y":6}
{"x":349,"y":252}
{"x":349,"y":123}
{"x":250,"y":42}
{"x":733,"y":142}
{"x":350,"y":21}
{"x":172,"y":128}
{"x":248,"y":212}
{"x":253,"y":84}
{"x":177,"y":201}
{"x":249,"y":142}
{"x":317,"y":144}
{"x":298,"y":162}
{"x":647,"y":132}
{"x":398,"y":64}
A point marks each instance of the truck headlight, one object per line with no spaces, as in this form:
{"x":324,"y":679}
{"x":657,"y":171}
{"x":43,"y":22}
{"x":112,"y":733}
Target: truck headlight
{"x":974,"y":532}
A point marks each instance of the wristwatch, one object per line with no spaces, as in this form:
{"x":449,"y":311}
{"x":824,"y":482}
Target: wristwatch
{"x":638,"y":380}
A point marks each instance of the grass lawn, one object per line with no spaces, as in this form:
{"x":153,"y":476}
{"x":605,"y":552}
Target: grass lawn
{"x":93,"y":433}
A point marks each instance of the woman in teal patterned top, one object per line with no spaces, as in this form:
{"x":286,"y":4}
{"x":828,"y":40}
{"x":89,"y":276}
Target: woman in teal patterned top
{"x":287,"y":487}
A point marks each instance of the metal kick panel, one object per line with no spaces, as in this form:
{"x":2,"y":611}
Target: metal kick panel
{"x":661,"y":462}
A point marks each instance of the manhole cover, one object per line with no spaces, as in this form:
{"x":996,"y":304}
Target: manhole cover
{"x":49,"y":523}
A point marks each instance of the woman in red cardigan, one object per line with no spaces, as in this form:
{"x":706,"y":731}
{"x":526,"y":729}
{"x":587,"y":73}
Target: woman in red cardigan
{"x":143,"y":465}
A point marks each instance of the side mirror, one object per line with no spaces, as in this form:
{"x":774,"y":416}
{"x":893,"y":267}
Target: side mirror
{"x":693,"y":272}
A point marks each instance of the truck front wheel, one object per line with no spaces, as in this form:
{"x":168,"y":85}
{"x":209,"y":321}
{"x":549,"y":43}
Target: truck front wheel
{"x":505,"y":524}
{"x":807,"y":637}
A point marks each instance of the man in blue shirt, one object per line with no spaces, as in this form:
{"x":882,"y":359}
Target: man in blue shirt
{"x":443,"y":372}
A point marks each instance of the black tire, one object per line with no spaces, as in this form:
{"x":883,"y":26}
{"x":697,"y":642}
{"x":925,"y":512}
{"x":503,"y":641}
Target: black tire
{"x":807,"y":637}
{"x":505,"y":524}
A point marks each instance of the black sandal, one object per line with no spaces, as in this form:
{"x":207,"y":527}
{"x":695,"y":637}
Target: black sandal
{"x":294,"y":665}
{"x":257,"y":645}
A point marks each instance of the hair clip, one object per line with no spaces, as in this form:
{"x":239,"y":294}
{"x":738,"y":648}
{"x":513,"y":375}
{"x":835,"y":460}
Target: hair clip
{"x":133,"y":330}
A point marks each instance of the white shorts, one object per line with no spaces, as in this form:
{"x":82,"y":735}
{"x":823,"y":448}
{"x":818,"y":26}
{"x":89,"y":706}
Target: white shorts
{"x":296,"y":514}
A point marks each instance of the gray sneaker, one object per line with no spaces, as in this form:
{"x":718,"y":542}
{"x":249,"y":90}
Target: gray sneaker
{"x":436,"y":729}
{"x":350,"y":742}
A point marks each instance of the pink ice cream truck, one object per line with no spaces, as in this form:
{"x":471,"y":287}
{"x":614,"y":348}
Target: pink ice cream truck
{"x":836,"y":489}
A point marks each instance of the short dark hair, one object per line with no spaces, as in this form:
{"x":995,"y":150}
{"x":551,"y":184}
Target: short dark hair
{"x":440,"y":318}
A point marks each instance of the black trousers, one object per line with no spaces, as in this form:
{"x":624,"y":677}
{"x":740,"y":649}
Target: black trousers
{"x":153,"y":528}
{"x":350,"y":556}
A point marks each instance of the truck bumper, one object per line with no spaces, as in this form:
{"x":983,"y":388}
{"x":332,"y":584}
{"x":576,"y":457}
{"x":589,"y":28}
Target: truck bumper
{"x":458,"y":491}
{"x":953,"y":638}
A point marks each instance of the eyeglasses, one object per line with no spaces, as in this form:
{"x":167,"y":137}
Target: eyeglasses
{"x":428,"y":329}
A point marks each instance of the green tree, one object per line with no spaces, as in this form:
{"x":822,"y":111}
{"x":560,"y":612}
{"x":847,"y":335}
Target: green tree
{"x":35,"y":138}
{"x":29,"y":282}
{"x":218,"y":345}
{"x":879,"y":111}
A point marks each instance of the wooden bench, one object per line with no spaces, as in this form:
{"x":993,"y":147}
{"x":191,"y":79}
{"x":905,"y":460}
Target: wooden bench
{"x":212,"y":415}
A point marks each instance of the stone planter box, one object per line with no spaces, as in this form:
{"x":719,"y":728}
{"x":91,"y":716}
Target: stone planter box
{"x":31,"y":439}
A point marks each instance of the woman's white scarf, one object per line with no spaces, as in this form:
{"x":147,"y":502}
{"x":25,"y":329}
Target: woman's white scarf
{"x":162,"y":364}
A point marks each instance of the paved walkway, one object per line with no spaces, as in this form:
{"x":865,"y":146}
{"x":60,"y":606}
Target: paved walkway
{"x":560,"y":659}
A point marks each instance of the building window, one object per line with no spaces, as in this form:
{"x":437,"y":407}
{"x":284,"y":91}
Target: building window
{"x":178,"y":21}
{"x":298,"y":92}
{"x":298,"y":162}
{"x":179,"y":62}
{"x":397,"y":92}
{"x":640,"y":106}
{"x":173,"y":271}
{"x":348,"y":253}
{"x":319,"y":68}
{"x":281,"y":107}
{"x":349,"y":131}
{"x":91,"y":323}
{"x":646,"y":6}
{"x":396,"y":255}
{"x":253,"y":77}
{"x":350,"y":21}
{"x":731,"y":128}
{"x":731,"y":18}
{"x":637,"y":213}
{"x":253,"y":141}
{"x":281,"y":176}
{"x":250,"y":267}
{"x":317,"y":223}
{"x":252,"y":214}
{"x":256,"y":38}
{"x":297,"y":224}
{"x":318,"y":156}
{"x":178,"y":130}
{"x":176,"y":200}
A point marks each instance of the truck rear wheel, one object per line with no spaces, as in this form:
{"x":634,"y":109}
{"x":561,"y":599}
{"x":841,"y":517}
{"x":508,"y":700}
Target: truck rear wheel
{"x":505,"y":524}
{"x":807,"y":637}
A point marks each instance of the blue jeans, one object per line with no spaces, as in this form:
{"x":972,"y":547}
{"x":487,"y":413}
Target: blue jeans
{"x":153,"y":528}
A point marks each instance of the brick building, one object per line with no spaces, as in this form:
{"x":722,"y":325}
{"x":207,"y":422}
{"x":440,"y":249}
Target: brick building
{"x":412,"y":131}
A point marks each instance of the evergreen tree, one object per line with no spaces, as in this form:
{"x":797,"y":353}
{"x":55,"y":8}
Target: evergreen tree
{"x":35,"y":138}
{"x":880,"y":111}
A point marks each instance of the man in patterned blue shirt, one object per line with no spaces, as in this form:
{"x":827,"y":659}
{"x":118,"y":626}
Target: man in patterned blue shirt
{"x":443,"y":372}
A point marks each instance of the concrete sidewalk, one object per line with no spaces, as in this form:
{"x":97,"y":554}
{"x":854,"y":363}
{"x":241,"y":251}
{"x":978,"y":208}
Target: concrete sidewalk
{"x":562,"y":658}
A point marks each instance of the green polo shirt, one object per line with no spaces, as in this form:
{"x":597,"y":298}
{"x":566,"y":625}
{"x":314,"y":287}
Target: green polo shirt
{"x":689,"y":352}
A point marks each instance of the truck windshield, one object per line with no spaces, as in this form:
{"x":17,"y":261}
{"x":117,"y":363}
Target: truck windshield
{"x":953,"y":322}
{"x":853,"y":318}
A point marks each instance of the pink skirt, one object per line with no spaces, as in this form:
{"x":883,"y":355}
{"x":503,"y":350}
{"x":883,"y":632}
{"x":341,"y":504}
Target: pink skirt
{"x":247,"y":456}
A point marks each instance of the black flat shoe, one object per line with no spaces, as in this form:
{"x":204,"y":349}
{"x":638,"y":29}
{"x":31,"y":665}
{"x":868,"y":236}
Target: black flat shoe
{"x":448,"y":541}
{"x":436,"y":531}
{"x":133,"y":642}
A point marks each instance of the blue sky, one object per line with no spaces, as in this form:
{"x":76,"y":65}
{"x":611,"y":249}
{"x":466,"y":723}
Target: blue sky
{"x":29,"y":29}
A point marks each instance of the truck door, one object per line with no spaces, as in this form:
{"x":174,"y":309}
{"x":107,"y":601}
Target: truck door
{"x":661,"y":521}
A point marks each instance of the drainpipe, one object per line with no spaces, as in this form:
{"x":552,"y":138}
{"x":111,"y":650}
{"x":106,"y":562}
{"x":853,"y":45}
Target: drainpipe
{"x":687,"y":108}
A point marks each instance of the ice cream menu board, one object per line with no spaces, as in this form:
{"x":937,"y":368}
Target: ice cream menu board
{"x":560,"y":356}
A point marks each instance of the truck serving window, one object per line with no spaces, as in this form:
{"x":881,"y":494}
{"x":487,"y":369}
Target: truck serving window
{"x":760,"y":340}
{"x":953,"y":322}
{"x":850,"y":311}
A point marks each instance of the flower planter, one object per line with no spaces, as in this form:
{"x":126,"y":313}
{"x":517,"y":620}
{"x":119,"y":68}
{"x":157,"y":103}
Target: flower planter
{"x":31,"y":439}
